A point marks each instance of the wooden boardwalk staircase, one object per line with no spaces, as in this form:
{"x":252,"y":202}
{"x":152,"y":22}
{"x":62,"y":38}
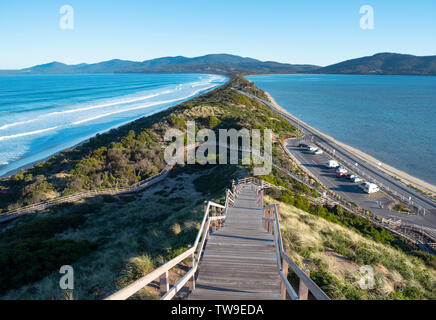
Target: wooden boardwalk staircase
{"x":237,"y":255}
{"x":239,"y":261}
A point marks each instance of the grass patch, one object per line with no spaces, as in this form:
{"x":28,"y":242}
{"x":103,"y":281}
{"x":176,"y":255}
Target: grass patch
{"x":43,"y":228}
{"x":31,"y":260}
{"x":334,"y":254}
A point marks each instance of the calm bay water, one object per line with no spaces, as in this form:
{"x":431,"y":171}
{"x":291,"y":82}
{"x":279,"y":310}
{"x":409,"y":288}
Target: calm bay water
{"x":41,"y":115}
{"x":392,"y":118}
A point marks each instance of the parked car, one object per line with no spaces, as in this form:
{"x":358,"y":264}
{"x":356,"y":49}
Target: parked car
{"x":370,"y":187}
{"x":349,"y":176}
{"x":303,"y":145}
{"x":318,"y":151}
{"x":332,"y":164}
{"x":311,"y":148}
{"x":341,"y":169}
{"x":340,"y":175}
{"x":356,"y":179}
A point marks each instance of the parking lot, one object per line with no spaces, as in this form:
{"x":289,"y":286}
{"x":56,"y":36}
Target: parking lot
{"x":316,"y":164}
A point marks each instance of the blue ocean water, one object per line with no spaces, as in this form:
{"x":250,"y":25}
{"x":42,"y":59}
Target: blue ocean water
{"x":43,"y":114}
{"x":392,"y":118}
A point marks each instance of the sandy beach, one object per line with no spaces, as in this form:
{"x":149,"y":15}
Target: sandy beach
{"x":403,"y":176}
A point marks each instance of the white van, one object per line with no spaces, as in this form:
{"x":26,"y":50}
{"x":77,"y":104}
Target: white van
{"x":332,"y":164}
{"x":370,"y":187}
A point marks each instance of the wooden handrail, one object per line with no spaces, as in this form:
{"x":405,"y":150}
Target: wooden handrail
{"x":134,"y":287}
{"x":15,"y":213}
{"x":80,"y":195}
{"x":202,"y":235}
{"x":272,"y":225}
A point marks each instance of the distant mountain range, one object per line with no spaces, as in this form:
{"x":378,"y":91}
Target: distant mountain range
{"x":381,"y":63}
{"x":384,"y":63}
{"x":213,"y":63}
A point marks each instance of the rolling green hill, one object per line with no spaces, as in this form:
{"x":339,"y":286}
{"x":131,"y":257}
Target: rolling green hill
{"x":212,"y":63}
{"x":381,"y":64}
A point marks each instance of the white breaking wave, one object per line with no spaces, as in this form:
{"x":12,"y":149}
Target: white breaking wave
{"x":143,"y":106}
{"x":110,"y":104}
{"x":16,"y":124}
{"x":104,"y":105}
{"x":20,"y":139}
{"x":18,"y":135}
{"x":113,"y":103}
{"x":193,"y":84}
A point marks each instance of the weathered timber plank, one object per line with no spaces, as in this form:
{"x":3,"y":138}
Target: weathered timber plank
{"x":239,"y":261}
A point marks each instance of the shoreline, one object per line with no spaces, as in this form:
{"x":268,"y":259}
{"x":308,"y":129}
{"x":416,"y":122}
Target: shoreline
{"x":29,"y":165}
{"x":395,"y":173}
{"x":34,"y":163}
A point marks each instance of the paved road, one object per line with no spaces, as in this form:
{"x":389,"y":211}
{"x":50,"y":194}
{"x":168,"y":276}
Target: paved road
{"x":316,"y":165}
{"x":349,"y":191}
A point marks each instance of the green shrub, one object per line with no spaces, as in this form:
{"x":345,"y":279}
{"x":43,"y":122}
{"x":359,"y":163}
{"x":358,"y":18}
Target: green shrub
{"x":127,"y":198}
{"x":43,"y":228}
{"x":177,"y":122}
{"x":31,"y":260}
{"x":323,"y":279}
{"x":212,"y":122}
{"x":217,"y":180}
{"x":428,"y":258}
{"x":109,"y":199}
{"x":135,"y":269}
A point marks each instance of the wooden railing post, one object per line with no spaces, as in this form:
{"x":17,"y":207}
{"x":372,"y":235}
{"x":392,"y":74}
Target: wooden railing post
{"x":303,"y":292}
{"x":266,"y":213}
{"x":213,"y":222}
{"x":218,"y":223}
{"x":222,"y":221}
{"x":205,"y":208}
{"x":267,"y":222}
{"x":192,"y":266}
{"x":285,"y":272}
{"x":261,"y":198}
{"x":164,"y":283}
{"x":263,"y":216}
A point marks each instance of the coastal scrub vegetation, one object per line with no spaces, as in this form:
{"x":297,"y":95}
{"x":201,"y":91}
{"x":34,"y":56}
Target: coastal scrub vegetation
{"x":334,"y":243}
{"x":113,"y":240}
{"x":30,"y":248}
{"x":119,"y":238}
{"x":334,"y":255}
{"x":138,"y":231}
{"x":135,"y":152}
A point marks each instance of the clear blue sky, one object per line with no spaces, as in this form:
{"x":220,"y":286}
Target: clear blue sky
{"x":317,"y":32}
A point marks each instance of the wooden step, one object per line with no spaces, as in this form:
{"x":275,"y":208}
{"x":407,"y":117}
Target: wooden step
{"x":239,"y":261}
